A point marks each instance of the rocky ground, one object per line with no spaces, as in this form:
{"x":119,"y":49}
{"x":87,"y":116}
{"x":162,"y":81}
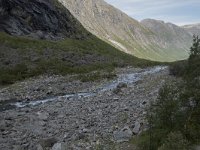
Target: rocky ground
{"x":107,"y":120}
{"x":44,"y":86}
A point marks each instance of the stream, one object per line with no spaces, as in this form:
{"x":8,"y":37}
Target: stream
{"x":128,"y":78}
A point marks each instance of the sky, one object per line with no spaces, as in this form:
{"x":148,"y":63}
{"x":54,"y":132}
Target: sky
{"x":179,"y":12}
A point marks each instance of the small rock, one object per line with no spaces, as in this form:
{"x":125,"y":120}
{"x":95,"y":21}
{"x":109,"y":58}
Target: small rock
{"x":144,"y":113}
{"x":144,"y":103}
{"x":115,"y":98}
{"x":123,"y":135}
{"x":43,"y":115}
{"x":58,"y":146}
{"x":39,"y":147}
{"x":47,"y":142}
{"x":85,"y":130}
{"x":42,"y":123}
{"x":136,"y":128}
{"x":121,"y":85}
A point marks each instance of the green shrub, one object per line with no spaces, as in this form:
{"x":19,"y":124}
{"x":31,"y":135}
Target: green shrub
{"x":151,"y":139}
{"x":175,"y":141}
{"x":178,"y":68}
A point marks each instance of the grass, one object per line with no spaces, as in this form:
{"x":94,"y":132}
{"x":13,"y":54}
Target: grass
{"x":59,"y":57}
{"x":96,"y":76}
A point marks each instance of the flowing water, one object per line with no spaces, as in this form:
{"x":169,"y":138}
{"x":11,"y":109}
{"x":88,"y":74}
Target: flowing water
{"x":128,"y":78}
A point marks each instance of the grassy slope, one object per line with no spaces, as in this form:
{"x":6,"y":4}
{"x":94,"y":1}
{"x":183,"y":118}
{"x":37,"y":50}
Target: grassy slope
{"x":24,"y":57}
{"x":153,"y":52}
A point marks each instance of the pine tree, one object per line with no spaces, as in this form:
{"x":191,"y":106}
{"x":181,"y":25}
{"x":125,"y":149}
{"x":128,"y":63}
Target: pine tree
{"x":195,"y":49}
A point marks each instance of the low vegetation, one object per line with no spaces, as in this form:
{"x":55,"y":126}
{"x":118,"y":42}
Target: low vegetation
{"x":23,"y":57}
{"x":173,"y":118}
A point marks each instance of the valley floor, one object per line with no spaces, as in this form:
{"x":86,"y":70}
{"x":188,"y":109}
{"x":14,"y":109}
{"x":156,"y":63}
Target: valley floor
{"x":78,"y":122}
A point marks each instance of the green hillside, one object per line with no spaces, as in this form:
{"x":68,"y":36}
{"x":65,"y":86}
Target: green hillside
{"x":25,"y":57}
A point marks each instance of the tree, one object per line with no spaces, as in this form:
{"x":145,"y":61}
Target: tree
{"x":195,"y":49}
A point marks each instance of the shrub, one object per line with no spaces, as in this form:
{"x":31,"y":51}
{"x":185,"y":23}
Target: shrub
{"x":175,"y":141}
{"x":178,"y":68}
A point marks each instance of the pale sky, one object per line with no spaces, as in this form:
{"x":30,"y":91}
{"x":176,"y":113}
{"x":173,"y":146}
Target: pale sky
{"x":179,"y":12}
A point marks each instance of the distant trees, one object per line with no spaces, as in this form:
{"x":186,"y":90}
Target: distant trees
{"x":195,"y":49}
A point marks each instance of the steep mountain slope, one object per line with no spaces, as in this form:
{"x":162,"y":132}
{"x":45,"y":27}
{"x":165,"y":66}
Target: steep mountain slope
{"x":193,"y":29}
{"x":125,"y":33}
{"x":24,"y":54}
{"x":42,"y":19}
{"x":173,"y":38}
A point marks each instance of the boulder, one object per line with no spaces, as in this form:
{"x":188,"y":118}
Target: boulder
{"x":43,"y":115}
{"x":123,"y":135}
{"x":136,"y":128}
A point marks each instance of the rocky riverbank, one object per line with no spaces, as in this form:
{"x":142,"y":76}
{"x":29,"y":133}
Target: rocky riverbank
{"x":92,"y":122}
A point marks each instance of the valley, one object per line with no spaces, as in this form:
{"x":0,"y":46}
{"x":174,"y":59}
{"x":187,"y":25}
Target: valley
{"x":83,"y":75}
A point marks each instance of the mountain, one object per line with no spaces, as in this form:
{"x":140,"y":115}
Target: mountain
{"x":127,"y":34}
{"x":39,"y":19}
{"x":193,"y":29}
{"x":42,"y":37}
{"x":174,"y":39}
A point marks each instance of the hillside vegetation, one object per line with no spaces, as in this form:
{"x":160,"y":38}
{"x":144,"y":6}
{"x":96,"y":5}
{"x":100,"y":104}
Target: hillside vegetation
{"x":25,"y":57}
{"x":173,"y":118}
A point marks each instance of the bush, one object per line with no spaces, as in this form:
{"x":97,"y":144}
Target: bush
{"x":151,"y":139}
{"x":10,"y":75}
{"x":175,"y":141}
{"x":178,"y":68}
{"x":176,"y":109}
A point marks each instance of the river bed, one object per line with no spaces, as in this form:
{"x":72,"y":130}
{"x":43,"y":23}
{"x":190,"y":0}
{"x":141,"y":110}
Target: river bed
{"x":127,"y":78}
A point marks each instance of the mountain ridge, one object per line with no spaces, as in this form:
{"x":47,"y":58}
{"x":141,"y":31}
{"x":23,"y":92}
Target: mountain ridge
{"x":125,"y":33}
{"x":193,"y":29}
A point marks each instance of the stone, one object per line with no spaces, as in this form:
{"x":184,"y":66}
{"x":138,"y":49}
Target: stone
{"x":144,"y":103}
{"x":124,"y":135}
{"x":115,"y":98}
{"x":49,"y":142}
{"x":41,"y":123}
{"x":197,"y":147}
{"x":43,"y":115}
{"x":136,"y":128}
{"x":58,"y":146}
{"x":39,"y":147}
{"x":121,"y":85}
